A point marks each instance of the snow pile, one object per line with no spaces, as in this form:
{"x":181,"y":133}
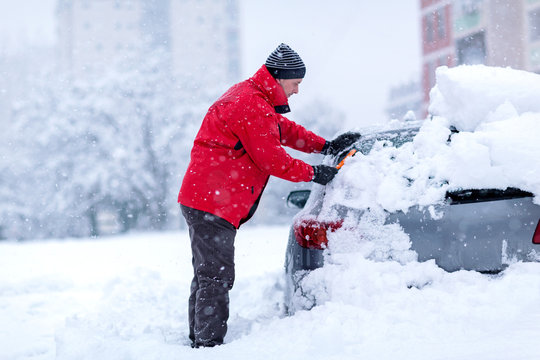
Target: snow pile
{"x":498,"y":114}
{"x":470,"y":95}
{"x":126,"y":298}
{"x":370,"y":238}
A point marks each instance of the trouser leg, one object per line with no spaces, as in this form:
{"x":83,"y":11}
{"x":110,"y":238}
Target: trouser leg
{"x":212,"y":246}
{"x":191,"y":307}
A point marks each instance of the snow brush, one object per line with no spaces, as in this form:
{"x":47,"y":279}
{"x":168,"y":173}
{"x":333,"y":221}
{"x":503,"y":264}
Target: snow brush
{"x":342,"y":162}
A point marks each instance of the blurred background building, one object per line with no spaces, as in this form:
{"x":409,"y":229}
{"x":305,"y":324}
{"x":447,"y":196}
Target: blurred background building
{"x":205,"y":40}
{"x":490,"y":32}
{"x":200,"y":37}
{"x":403,"y":99}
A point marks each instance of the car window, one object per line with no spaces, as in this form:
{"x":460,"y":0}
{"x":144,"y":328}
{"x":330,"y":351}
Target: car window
{"x":394,"y":137}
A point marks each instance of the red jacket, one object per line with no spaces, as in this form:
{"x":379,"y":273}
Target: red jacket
{"x":239,"y":145}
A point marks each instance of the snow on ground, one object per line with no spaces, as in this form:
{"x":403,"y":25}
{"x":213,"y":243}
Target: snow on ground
{"x":126,"y":298}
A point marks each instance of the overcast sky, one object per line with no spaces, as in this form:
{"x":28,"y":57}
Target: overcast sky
{"x":354,"y":50}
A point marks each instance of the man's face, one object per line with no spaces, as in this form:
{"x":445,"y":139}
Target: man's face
{"x":290,"y":86}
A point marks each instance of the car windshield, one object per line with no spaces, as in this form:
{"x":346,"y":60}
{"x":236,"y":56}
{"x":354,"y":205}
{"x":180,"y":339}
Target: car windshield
{"x":395,"y":138}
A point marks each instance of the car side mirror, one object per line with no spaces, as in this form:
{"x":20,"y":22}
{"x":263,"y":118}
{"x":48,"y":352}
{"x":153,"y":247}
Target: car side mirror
{"x":298,"y":198}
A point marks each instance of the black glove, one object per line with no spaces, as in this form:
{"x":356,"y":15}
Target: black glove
{"x":323,"y":174}
{"x":340,"y":143}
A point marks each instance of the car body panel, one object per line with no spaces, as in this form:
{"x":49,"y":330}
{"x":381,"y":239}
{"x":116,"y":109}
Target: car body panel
{"x":298,"y":262}
{"x":483,"y":236}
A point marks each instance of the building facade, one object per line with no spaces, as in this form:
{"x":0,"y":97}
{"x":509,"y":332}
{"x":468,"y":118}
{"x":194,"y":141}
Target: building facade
{"x":95,"y":34}
{"x":201,"y":37}
{"x":491,"y":32}
{"x":403,"y":99}
{"x":205,"y":40}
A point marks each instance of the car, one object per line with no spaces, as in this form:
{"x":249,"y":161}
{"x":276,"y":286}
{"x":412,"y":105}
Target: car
{"x":472,"y":229}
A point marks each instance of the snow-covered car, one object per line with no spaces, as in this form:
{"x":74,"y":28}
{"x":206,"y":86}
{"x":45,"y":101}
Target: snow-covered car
{"x":462,"y":195}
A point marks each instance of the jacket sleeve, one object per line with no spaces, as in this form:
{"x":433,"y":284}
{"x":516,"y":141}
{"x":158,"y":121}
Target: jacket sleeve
{"x":299,"y":138}
{"x":258,"y":131}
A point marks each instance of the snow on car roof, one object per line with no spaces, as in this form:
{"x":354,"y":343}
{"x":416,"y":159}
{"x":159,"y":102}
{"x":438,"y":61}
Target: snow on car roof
{"x":472,"y":95}
{"x":498,"y":115}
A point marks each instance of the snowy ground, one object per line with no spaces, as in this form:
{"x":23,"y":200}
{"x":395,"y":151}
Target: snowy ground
{"x":126,"y":298}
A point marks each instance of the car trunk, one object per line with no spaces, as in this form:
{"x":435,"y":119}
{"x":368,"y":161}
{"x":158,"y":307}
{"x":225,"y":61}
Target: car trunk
{"x":481,"y":230}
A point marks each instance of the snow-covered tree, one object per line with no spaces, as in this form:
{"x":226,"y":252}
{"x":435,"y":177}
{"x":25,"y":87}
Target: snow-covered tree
{"x":111,"y":143}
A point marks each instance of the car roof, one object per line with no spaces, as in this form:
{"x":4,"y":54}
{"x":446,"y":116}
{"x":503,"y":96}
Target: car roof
{"x":391,"y":128}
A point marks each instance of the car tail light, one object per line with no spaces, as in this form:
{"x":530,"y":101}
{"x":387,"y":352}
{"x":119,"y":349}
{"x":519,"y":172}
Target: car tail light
{"x":536,"y":236}
{"x":312,"y":234}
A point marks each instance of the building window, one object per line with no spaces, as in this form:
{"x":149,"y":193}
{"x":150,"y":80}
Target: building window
{"x":467,"y":14}
{"x":535,"y":57}
{"x":432,"y":67}
{"x":441,"y":24}
{"x":443,"y":60}
{"x":472,"y":49}
{"x":429,"y":28}
{"x":534,"y":25}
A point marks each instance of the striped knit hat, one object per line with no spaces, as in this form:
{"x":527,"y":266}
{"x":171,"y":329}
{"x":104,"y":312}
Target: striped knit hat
{"x":284,"y":63}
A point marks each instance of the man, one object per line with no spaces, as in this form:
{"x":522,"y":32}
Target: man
{"x":237,"y":148}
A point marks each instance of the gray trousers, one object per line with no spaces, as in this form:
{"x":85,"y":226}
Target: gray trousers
{"x":212,"y":247}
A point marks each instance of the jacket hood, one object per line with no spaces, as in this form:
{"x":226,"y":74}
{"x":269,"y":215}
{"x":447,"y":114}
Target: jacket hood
{"x":271,"y":88}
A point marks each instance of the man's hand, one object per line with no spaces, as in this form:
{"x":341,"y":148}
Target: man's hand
{"x":323,"y":174}
{"x":340,"y":143}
